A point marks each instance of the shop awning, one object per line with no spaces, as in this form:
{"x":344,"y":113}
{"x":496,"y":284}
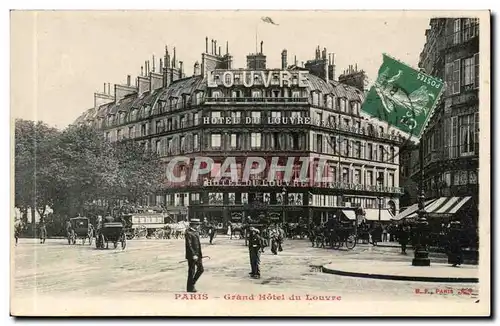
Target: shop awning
{"x":438,"y":206}
{"x":350,"y":214}
{"x":373,"y":214}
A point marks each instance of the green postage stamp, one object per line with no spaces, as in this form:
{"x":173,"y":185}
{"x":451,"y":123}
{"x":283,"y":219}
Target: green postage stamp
{"x":403,"y":96}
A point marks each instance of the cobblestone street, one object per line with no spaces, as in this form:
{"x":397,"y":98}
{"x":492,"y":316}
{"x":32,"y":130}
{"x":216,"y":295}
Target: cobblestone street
{"x":153,"y":268}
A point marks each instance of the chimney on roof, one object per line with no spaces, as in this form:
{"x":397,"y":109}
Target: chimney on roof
{"x":196,"y":69}
{"x":104,"y":88}
{"x":206,"y":44}
{"x":283,"y":59}
{"x":180,"y":69}
{"x":227,"y":47}
{"x":128,"y":80}
{"x":153,"y":63}
{"x":220,"y":52}
{"x":261,"y":47}
{"x":211,"y":46}
{"x":215,"y":47}
{"x":295,"y":60}
{"x":174,"y":63}
{"x":161,"y":65}
{"x":324,"y":54}
{"x":109,"y":89}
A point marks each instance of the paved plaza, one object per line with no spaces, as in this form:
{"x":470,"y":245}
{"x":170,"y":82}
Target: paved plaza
{"x":153,"y":268}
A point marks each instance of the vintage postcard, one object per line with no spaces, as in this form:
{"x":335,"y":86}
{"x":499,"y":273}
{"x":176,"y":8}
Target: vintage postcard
{"x":250,"y":163}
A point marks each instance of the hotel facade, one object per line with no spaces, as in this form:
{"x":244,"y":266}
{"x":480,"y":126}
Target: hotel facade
{"x":290,"y":112}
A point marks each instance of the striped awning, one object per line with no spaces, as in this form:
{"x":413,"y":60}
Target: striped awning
{"x":373,"y":215}
{"x":350,"y":214}
{"x":438,"y":206}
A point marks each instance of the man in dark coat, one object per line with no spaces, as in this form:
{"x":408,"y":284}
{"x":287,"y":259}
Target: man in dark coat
{"x":211,"y":231}
{"x":193,"y":254}
{"x":455,"y":254}
{"x":255,"y":247}
{"x":404,"y":235}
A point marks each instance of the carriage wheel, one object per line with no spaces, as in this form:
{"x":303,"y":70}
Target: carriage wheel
{"x":124,"y":242}
{"x":350,"y":242}
{"x":336,"y":243}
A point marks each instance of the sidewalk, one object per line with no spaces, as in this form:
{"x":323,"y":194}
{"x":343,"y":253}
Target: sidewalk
{"x":403,"y":271}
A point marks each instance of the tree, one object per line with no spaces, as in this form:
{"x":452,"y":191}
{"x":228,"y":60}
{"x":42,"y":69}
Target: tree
{"x":32,"y":147}
{"x":141,"y":172}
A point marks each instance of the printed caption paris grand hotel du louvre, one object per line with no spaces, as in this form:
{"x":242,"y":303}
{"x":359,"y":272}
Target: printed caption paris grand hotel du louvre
{"x":250,"y":163}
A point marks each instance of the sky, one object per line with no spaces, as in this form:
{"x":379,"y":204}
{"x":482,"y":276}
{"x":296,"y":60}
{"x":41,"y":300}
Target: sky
{"x":60,"y":58}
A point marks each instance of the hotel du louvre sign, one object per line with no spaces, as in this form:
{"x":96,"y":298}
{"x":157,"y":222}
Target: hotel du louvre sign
{"x":228,"y":182}
{"x":266,"y":78}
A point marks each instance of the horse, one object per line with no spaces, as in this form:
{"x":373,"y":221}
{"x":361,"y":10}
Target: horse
{"x":18,"y":227}
{"x":237,"y":228}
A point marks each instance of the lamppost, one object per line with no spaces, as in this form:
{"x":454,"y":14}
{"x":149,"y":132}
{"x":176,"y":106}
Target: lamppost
{"x":421,"y":255}
{"x":283,"y":196}
{"x":380,"y":181}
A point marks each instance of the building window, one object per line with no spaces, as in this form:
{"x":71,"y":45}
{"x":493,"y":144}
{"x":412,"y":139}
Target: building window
{"x":347,"y":122}
{"x":160,"y":126}
{"x":333,"y":145}
{"x":131,"y":132}
{"x":345,"y":175}
{"x":256,"y":94}
{"x":196,"y":143}
{"x":276,"y":93}
{"x":215,"y":114}
{"x":369,"y":178}
{"x":342,"y":104}
{"x":183,"y":144}
{"x":183,"y":121}
{"x":235,"y":140}
{"x":196,"y":118}
{"x":236,"y":117}
{"x":236,"y":94}
{"x":119,"y":134}
{"x":456,"y":77}
{"x":296,"y":114}
{"x":158,"y":147}
{"x":456,"y":31}
{"x":255,"y":140}
{"x":381,"y":153}
{"x":476,"y":70}
{"x":357,"y":149}
{"x":453,"y":141}
{"x":357,"y":176}
{"x":295,"y":141}
{"x":319,"y":143}
{"x":296,"y":94}
{"x":143,"y":130}
{"x":329,"y":102}
{"x":344,"y":146}
{"x":108,"y":136}
{"x":216,"y":94}
{"x":380,"y":179}
{"x":255,"y":117}
{"x":467,"y":134}
{"x":215,"y":141}
{"x":390,"y":182}
{"x":369,"y":152}
{"x":319,"y":118}
{"x":392,"y":153}
{"x":315,"y":98}
{"x":276,"y":143}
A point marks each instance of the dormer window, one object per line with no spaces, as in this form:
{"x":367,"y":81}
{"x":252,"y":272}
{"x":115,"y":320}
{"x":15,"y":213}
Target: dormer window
{"x":216,"y":94}
{"x":329,"y":101}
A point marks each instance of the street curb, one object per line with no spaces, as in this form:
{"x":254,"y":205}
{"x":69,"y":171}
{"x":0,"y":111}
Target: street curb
{"x":401,"y":277}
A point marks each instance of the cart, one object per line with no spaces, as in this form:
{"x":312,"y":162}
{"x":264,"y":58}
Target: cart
{"x":82,"y":229}
{"x":111,"y":232}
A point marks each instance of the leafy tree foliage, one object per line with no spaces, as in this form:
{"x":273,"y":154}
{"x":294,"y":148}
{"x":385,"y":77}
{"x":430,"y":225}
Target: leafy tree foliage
{"x":71,"y":170}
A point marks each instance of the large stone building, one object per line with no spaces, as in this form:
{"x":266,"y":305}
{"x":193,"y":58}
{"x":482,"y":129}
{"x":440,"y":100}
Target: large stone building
{"x":220,"y":111}
{"x":451,"y":140}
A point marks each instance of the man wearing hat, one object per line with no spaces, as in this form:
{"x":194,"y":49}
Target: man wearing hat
{"x":255,"y":246}
{"x":193,"y":254}
{"x":455,"y":254}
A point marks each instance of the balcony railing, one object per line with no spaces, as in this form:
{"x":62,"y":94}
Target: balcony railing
{"x":302,"y":100}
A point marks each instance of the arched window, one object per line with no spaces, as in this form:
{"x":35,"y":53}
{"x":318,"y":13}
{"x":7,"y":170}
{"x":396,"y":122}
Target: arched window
{"x":392,"y":207}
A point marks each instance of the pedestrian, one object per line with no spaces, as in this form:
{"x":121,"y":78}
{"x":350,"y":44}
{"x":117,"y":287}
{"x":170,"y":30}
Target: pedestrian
{"x":455,"y":254}
{"x":384,"y":233}
{"x":281,"y":236}
{"x":43,"y":231}
{"x":211,"y":232}
{"x":193,"y":254}
{"x":404,"y":236}
{"x":255,"y":247}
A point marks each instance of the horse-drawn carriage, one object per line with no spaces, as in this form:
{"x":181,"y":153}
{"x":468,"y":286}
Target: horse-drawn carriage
{"x":111,"y":232}
{"x":81,"y":228}
{"x":336,"y":236}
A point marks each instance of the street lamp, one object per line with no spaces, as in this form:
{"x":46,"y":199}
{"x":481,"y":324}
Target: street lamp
{"x":421,"y":255}
{"x":380,"y":181}
{"x":283,"y":196}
